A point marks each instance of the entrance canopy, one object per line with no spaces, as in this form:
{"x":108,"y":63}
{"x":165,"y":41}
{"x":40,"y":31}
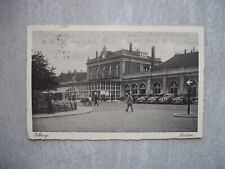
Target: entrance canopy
{"x":62,"y":90}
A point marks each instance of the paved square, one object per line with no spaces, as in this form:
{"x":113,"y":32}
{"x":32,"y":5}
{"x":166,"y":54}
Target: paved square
{"x":112,"y":117}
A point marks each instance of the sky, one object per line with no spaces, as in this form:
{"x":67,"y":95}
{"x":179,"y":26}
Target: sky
{"x":69,"y":50}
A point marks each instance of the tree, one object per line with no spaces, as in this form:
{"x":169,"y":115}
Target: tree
{"x":43,"y":76}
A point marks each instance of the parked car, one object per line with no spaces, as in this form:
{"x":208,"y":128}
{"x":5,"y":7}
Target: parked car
{"x":183,"y":99}
{"x":195,"y":100}
{"x":142,"y":99}
{"x":135,"y":97}
{"x":167,"y":98}
{"x":153,"y":99}
{"x":180,"y":100}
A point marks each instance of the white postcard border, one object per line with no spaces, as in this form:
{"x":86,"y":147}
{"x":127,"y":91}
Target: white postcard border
{"x":116,"y":135}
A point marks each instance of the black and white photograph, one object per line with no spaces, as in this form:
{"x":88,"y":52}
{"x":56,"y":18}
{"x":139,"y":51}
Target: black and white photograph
{"x":114,"y":82}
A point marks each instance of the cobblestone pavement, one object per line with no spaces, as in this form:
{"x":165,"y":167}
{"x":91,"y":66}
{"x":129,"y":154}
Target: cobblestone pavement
{"x":111,"y":117}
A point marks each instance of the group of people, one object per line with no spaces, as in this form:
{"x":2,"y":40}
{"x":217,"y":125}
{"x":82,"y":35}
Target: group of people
{"x":68,"y":105}
{"x":95,"y":99}
{"x":129,"y":101}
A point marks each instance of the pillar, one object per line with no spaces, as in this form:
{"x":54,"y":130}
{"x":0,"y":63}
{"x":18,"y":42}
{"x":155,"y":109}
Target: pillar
{"x":181,"y":89}
{"x":141,"y":67}
{"x":110,"y":87}
{"x":148,"y":86}
{"x":121,"y":90}
{"x":138,"y":90}
{"x":122,"y":67}
{"x":100,"y":86}
{"x":115,"y":90}
{"x":164,"y":85}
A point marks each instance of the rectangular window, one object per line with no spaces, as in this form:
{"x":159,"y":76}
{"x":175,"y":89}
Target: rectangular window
{"x":102,"y":86}
{"x":107,"y":86}
{"x":117,"y":86}
{"x":117,"y":94}
{"x":112,"y":85}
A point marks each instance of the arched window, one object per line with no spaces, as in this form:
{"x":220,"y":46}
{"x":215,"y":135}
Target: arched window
{"x":134,"y":89}
{"x":142,"y":89}
{"x":156,"y":88}
{"x":110,"y":70}
{"x":98,"y":75}
{"x":91,"y":74}
{"x":103,"y":72}
{"x":173,"y":87}
{"x":117,"y":70}
{"x":127,"y":89}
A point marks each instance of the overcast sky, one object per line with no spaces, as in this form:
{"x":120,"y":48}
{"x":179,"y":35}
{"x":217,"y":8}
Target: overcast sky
{"x":69,"y":50}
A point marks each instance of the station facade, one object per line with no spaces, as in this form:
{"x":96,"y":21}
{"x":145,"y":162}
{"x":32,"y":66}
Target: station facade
{"x":106,"y":72}
{"x":112,"y":75}
{"x":169,"y":77}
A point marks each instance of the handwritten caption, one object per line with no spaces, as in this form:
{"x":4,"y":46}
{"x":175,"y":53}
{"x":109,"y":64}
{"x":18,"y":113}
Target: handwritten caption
{"x":41,"y":135}
{"x":185,"y":135}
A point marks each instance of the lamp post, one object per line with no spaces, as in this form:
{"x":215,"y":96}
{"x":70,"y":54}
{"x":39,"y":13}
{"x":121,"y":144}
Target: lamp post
{"x":188,"y":114}
{"x":73,"y":88}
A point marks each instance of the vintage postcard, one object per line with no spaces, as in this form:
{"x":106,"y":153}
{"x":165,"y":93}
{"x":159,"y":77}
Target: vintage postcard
{"x":115,"y":82}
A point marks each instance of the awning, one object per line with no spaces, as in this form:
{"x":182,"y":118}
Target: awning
{"x":62,"y":90}
{"x":48,"y":91}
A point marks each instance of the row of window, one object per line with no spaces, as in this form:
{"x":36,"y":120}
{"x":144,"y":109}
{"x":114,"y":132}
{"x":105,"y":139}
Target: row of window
{"x":99,"y":73}
{"x":104,"y":86}
{"x":102,"y":75}
{"x":157,"y":88}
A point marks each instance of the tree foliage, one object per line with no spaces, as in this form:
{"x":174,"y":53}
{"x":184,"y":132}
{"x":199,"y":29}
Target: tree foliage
{"x":43,"y":76}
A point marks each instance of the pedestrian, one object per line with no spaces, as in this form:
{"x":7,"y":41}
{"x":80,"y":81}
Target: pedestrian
{"x":71,"y":104}
{"x":49,"y":104}
{"x":65,"y":105}
{"x":89,"y":101}
{"x":129,"y":103}
{"x":95,"y":99}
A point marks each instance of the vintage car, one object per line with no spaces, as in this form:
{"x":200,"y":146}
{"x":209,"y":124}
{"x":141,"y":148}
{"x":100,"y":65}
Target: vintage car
{"x":183,"y":99}
{"x":194,"y":100}
{"x":153,"y":99}
{"x":167,"y":98}
{"x":142,"y":99}
{"x":180,"y":100}
{"x":135,"y":98}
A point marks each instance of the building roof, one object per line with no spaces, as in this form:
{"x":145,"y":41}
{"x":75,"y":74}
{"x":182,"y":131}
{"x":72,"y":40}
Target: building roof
{"x":108,"y":55}
{"x":181,"y":60}
{"x":68,"y":77}
{"x":81,"y":76}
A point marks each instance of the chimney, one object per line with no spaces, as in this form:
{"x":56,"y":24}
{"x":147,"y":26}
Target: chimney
{"x":96,"y":54}
{"x":104,"y":49}
{"x":153,"y":51}
{"x":130,"y":46}
{"x":153,"y":58}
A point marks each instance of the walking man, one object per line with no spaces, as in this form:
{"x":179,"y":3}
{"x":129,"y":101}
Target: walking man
{"x":49,"y":104}
{"x":96,"y":99}
{"x":129,"y":103}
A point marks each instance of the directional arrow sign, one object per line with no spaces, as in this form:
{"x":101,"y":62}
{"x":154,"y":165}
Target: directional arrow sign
{"x":189,"y":82}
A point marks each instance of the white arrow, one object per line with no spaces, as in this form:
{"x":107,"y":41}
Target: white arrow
{"x":189,"y":82}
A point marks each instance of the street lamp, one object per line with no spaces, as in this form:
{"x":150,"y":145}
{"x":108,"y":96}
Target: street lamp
{"x":73,"y":87}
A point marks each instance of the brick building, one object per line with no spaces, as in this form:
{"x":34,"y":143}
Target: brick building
{"x":113,"y":74}
{"x":106,"y":71}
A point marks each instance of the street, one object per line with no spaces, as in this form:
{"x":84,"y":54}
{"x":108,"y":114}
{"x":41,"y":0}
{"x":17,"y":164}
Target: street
{"x":112,"y":117}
